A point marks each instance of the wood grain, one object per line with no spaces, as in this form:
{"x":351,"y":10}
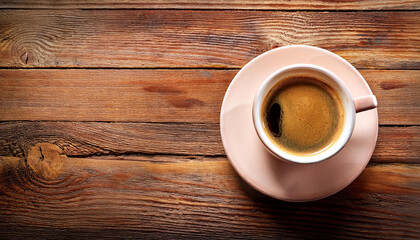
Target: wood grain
{"x":79,"y":139}
{"x":224,"y":39}
{"x":214,"y":4}
{"x":397,"y":144}
{"x":150,"y":140}
{"x":135,"y":151}
{"x":176,"y":197}
{"x":393,"y":90}
{"x":162,"y":95}
{"x":113,"y":95}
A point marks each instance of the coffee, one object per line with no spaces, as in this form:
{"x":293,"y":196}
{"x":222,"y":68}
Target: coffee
{"x":302,"y":115}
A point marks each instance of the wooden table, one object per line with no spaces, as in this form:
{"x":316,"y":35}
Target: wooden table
{"x":110,"y":118}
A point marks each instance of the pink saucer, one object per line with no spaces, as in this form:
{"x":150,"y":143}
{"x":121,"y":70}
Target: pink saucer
{"x":277,"y":178}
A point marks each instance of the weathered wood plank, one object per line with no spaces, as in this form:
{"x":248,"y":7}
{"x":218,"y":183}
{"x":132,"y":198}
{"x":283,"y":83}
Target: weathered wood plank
{"x":398,"y":144}
{"x":77,"y":139}
{"x":113,"y":95}
{"x":215,"y":4}
{"x":393,"y":89}
{"x":162,"y":95}
{"x":223,"y":39}
{"x":180,"y":198}
{"x":99,"y":138}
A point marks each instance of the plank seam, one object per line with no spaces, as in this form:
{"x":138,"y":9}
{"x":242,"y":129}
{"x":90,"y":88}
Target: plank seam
{"x":218,"y":9}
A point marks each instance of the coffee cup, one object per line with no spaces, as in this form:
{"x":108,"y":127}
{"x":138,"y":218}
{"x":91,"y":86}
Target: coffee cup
{"x":304,"y":113}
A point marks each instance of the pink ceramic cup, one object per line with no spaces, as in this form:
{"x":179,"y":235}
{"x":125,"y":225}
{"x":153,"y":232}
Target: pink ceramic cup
{"x":351,"y":107}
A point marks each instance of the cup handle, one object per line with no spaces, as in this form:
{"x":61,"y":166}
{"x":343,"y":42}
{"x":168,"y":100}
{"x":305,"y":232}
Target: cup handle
{"x":365,"y":103}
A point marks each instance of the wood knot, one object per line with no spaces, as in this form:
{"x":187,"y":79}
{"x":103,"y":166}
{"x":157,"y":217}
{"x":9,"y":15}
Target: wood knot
{"x":25,"y":57}
{"x":46,"y":160}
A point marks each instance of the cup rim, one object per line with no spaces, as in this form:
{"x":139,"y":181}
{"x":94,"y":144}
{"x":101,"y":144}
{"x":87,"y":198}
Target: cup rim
{"x":271,"y":147}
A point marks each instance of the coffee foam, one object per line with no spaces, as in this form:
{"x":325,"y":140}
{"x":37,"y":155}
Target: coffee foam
{"x":312,"y":115}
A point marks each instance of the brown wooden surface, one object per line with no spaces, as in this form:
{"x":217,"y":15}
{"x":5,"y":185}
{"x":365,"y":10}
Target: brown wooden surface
{"x":217,"y":4}
{"x":163,"y":95}
{"x":135,"y":151}
{"x":194,"y":38}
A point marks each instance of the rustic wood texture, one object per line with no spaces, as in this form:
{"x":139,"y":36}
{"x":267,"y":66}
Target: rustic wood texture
{"x":98,"y":139}
{"x":163,"y":95}
{"x":79,"y":139}
{"x":216,"y":4}
{"x":202,"y":39}
{"x":135,"y":151}
{"x":178,"y":197}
